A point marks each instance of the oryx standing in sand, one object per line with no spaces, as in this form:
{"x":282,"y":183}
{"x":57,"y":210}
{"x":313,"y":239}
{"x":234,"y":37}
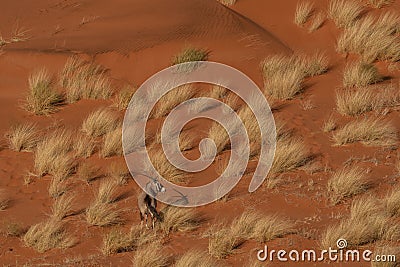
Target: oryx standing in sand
{"x":147,"y":203}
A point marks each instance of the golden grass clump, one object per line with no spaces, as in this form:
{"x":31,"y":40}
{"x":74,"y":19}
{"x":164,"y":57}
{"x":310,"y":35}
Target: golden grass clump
{"x":14,"y":229}
{"x":249,"y":225}
{"x":171,"y":99}
{"x":23,"y":137}
{"x":392,"y":202}
{"x":47,"y":235}
{"x":4,"y":200}
{"x":253,"y":130}
{"x":117,"y":241}
{"x":165,"y":168}
{"x":369,"y":131}
{"x":228,"y":2}
{"x":87,"y":172}
{"x":190,"y":54}
{"x":217,"y":91}
{"x":186,"y":141}
{"x":284,"y":75}
{"x":303,"y":12}
{"x":151,"y":255}
{"x":84,"y":146}
{"x":194,"y":258}
{"x":360,"y":75}
{"x":57,"y":187}
{"x":179,"y":219}
{"x":291,"y":153}
{"x":62,"y":206}
{"x":112,"y":143}
{"x":366,"y":224}
{"x":347,"y":182}
{"x":372,"y":38}
{"x":380,"y":3}
{"x":317,"y":22}
{"x":99,"y":123}
{"x":51,"y":155}
{"x":83,"y":79}
{"x":122,"y":99}
{"x":344,"y":12}
{"x":42,"y":99}
{"x":270,"y":227}
{"x":119,"y":173}
{"x":222,"y":243}
{"x":102,"y":211}
{"x":219,"y":135}
{"x":329,"y":124}
{"x":356,"y":102}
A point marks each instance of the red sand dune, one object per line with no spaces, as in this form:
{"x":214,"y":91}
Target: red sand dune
{"x":135,"y":39}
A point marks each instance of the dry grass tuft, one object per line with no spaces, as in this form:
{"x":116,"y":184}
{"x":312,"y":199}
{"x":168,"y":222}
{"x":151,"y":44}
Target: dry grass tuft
{"x":303,"y":12}
{"x":347,"y":182}
{"x":228,"y":2}
{"x":106,"y":193}
{"x":103,"y":214}
{"x":232,"y":172}
{"x":195,"y":258}
{"x":102,"y":211}
{"x":171,"y":99}
{"x":151,"y":255}
{"x":360,"y":75}
{"x":23,"y":137}
{"x":165,"y":168}
{"x":83,"y":79}
{"x":344,"y":12}
{"x":123,"y":97}
{"x":14,"y":229}
{"x":380,"y":3}
{"x":42,"y":99}
{"x":186,"y":141}
{"x":116,"y":241}
{"x":317,"y":22}
{"x":284,"y":75}
{"x":190,"y":54}
{"x":47,"y":235}
{"x":84,"y":146}
{"x":356,"y":102}
{"x":290,"y":154}
{"x":4,"y":200}
{"x":369,"y":131}
{"x":329,"y":125}
{"x":366,"y":224}
{"x":373,"y":38}
{"x":217,"y":91}
{"x":218,"y":134}
{"x":99,"y":123}
{"x":222,"y":243}
{"x":87,"y":172}
{"x":57,"y":187}
{"x":62,"y":206}
{"x":51,"y":155}
{"x":112,"y":143}
{"x":119,"y":173}
{"x":249,"y":225}
{"x":179,"y":219}
{"x":271,"y":227}
{"x":392,"y":202}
